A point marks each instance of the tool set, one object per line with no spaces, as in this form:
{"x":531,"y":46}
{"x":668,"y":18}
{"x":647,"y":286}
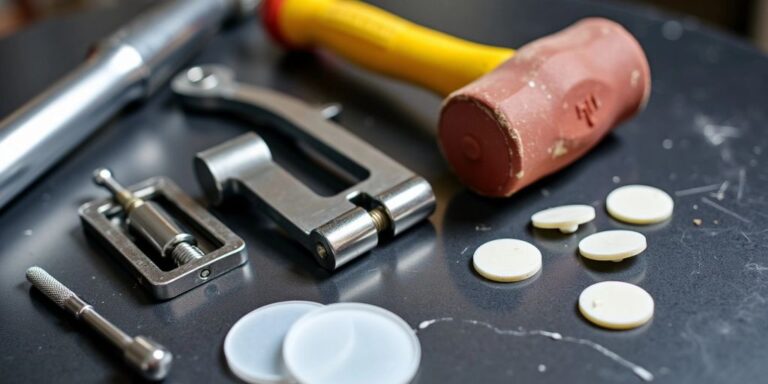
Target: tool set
{"x":510,"y":118}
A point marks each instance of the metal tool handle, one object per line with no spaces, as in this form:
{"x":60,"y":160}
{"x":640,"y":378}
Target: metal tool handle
{"x":150,"y":359}
{"x":129,"y":65}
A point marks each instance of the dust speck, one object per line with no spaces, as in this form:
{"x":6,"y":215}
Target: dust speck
{"x":672,"y":30}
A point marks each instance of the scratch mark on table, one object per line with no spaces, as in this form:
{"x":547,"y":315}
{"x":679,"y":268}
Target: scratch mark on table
{"x":697,"y":190}
{"x":742,"y":180}
{"x":724,"y":210}
{"x":720,"y":195}
{"x":639,"y":371}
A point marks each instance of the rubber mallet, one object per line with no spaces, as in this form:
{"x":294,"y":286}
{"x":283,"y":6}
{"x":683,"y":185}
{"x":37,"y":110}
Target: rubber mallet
{"x":510,"y":117}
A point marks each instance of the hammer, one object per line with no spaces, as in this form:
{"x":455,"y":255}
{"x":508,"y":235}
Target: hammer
{"x":510,"y":117}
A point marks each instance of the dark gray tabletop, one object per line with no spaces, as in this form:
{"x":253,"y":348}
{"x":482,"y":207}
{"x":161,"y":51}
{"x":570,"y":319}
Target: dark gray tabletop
{"x":702,"y":138}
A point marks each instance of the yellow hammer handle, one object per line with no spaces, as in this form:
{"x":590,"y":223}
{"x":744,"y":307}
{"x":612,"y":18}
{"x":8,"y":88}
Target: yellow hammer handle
{"x":382,"y":42}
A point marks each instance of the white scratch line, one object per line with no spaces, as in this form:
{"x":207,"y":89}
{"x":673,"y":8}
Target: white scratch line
{"x":742,"y":180}
{"x":482,"y":228}
{"x":641,"y":372}
{"x":720,"y":195}
{"x":697,"y":190}
{"x":723,"y":209}
{"x":426,"y":323}
{"x":746,"y":237}
{"x":465,"y":250}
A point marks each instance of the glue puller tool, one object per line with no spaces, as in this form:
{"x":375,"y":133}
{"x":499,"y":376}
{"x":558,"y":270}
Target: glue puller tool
{"x":150,"y":222}
{"x":155,"y":211}
{"x":385,"y":199}
{"x":510,"y":117}
{"x":150,"y":359}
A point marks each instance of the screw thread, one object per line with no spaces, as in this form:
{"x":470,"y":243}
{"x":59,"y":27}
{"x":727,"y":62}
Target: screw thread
{"x":184,"y":253}
{"x":380,"y":219}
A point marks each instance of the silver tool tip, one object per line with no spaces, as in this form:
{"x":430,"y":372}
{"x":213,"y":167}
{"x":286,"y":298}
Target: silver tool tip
{"x":49,"y":286}
{"x":150,"y":358}
{"x":101,"y":175}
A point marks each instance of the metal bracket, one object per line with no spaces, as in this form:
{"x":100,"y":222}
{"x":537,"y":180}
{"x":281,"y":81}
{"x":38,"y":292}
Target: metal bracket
{"x":101,"y":218}
{"x":336,"y":229}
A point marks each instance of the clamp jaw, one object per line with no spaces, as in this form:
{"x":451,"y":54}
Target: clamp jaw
{"x":386,"y":201}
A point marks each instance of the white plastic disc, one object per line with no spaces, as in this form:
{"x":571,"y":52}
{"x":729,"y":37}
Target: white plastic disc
{"x":253,"y":347}
{"x":639,"y":204}
{"x":616,"y":305}
{"x":349,"y":343}
{"x":566,"y":218}
{"x":614,"y":245}
{"x":507,"y":260}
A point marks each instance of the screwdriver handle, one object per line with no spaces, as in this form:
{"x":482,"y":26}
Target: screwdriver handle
{"x":382,"y":42}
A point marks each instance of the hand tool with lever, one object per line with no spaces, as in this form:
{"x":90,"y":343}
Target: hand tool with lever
{"x":384,"y":201}
{"x":510,"y":117}
{"x":147,"y":357}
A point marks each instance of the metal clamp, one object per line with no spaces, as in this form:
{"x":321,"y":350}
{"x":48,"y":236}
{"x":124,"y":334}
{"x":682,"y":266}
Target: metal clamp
{"x":225,"y":250}
{"x":336,"y":229}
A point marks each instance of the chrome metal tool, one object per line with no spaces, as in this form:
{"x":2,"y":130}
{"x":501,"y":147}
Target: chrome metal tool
{"x":386,"y":200}
{"x":149,"y":220}
{"x":138,"y":208}
{"x":129,"y":65}
{"x":150,"y":359}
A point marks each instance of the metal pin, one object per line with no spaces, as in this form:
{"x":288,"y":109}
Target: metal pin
{"x":149,"y":221}
{"x":151,"y":360}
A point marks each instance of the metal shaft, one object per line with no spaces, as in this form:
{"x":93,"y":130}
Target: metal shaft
{"x":129,"y":65}
{"x":151,"y":222}
{"x":150,"y":359}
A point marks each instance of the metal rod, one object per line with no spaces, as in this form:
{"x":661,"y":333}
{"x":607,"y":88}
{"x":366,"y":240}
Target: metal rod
{"x":129,"y":65}
{"x":150,"y":359}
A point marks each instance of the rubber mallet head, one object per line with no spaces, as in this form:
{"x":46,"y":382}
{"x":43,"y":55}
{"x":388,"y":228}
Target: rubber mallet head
{"x":510,"y":118}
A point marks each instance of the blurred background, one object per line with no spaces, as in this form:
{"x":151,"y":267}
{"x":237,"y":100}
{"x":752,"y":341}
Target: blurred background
{"x":746,"y":18}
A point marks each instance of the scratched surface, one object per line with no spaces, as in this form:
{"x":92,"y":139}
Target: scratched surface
{"x":702,"y":138}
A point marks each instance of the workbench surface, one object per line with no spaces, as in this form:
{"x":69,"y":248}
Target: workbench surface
{"x":702,"y":138}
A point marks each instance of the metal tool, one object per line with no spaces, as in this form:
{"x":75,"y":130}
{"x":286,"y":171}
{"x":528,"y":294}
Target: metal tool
{"x":150,"y":359}
{"x":139,"y":208}
{"x":336,"y":229}
{"x":129,"y":65}
{"x":149,"y":221}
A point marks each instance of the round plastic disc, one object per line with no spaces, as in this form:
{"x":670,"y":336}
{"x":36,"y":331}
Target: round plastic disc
{"x":566,"y":218}
{"x":351,"y":343}
{"x":639,"y":204}
{"x":616,"y":305}
{"x":612,"y":245}
{"x":253,"y":347}
{"x":507,"y":260}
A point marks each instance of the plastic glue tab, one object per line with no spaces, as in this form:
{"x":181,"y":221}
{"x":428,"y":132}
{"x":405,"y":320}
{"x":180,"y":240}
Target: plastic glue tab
{"x":350,"y":343}
{"x":253,"y":347}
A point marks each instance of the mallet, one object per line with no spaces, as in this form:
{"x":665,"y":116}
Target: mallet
{"x":510,"y":117}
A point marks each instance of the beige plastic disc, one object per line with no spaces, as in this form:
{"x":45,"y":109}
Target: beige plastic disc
{"x":614,"y":245}
{"x":507,"y":260}
{"x":616,"y":305}
{"x":639,"y":204}
{"x":566,"y":218}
